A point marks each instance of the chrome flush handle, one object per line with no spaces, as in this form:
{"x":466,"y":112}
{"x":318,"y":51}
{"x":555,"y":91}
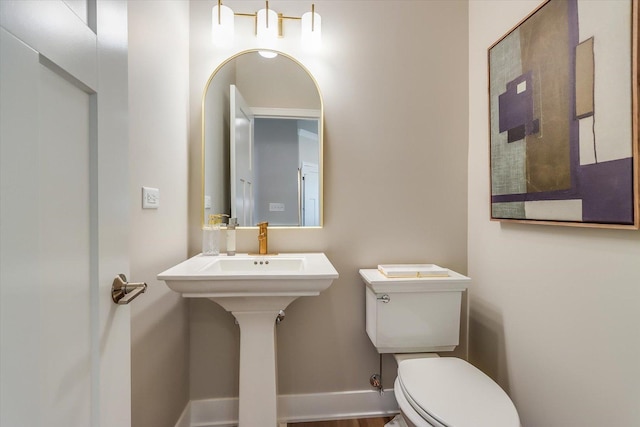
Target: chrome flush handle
{"x":384,"y":298}
{"x":123,"y":292}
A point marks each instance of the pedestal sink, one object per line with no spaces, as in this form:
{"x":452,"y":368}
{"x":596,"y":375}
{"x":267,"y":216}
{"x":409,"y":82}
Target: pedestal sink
{"x":254,"y":288}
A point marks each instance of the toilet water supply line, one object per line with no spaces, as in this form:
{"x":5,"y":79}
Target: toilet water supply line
{"x":376,"y":379}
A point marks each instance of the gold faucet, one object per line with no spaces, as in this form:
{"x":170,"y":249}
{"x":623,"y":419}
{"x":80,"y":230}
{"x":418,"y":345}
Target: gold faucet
{"x":262,"y":238}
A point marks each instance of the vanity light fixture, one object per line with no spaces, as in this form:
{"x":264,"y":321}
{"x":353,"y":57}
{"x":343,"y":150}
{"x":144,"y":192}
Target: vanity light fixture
{"x":311,"y":28}
{"x":268,"y":24}
{"x":221,"y":24}
{"x":268,"y":28}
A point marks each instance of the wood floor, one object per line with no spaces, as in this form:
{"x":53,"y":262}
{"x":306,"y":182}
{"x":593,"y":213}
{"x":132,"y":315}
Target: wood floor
{"x":362,"y":422}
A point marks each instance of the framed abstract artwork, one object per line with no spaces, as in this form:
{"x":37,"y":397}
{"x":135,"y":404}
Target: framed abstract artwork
{"x":563,"y":102}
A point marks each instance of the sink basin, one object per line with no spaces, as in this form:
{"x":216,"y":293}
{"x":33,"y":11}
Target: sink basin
{"x":246,"y":275}
{"x":254,"y":288}
{"x":252,"y":265}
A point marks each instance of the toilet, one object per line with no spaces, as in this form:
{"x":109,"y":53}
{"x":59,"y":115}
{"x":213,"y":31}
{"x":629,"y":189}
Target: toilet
{"x":416,"y":317}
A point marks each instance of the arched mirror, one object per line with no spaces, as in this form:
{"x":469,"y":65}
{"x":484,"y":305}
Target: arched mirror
{"x":262,"y":125}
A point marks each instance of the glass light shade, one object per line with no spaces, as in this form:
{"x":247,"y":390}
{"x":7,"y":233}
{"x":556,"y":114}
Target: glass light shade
{"x":222,"y":29}
{"x":267,"y":35}
{"x":311,"y":30}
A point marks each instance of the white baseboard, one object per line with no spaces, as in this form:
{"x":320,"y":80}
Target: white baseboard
{"x":336,"y":406}
{"x":185,"y":417}
{"x":223,"y":412}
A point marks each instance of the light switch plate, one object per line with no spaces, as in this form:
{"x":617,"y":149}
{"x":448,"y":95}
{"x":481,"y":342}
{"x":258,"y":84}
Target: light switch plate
{"x":150,"y":198}
{"x":207,"y":202}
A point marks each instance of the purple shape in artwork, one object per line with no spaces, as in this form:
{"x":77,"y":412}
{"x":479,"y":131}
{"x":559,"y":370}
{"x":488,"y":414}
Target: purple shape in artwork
{"x":515,"y":109}
{"x":519,"y":132}
{"x":607,"y":191}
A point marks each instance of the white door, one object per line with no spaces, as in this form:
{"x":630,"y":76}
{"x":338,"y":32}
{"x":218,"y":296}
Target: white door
{"x":241,"y":154}
{"x":310,"y":195}
{"x":64,"y":345}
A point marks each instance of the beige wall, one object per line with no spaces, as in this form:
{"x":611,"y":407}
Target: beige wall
{"x":394,"y":81}
{"x":158,"y":107}
{"x":554,"y":310}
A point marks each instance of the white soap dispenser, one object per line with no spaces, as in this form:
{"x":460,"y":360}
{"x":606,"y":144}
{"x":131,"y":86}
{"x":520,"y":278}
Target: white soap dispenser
{"x":211,"y":235}
{"x":231,"y":236}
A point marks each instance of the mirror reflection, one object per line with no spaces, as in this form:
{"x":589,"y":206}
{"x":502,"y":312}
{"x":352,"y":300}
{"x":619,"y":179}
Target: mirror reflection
{"x":262,"y":142}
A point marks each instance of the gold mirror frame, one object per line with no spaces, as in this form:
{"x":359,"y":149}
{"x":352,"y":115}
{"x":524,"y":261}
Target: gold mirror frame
{"x":320,"y":136}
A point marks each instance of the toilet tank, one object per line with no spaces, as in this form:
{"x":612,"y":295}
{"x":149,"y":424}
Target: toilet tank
{"x":418,"y":314}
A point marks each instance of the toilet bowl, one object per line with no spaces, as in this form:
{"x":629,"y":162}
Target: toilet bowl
{"x":448,"y":392}
{"x":413,"y":314}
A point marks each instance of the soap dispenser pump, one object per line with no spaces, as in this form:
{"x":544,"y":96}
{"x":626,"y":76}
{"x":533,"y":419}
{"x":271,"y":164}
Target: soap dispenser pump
{"x":231,"y":236}
{"x":211,"y":235}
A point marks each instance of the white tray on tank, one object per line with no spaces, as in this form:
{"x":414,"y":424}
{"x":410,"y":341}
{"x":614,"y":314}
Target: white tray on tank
{"x":412,"y":270}
{"x":379,"y":283}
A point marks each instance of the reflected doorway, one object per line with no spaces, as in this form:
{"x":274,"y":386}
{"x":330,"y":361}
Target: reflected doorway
{"x":274,"y":165}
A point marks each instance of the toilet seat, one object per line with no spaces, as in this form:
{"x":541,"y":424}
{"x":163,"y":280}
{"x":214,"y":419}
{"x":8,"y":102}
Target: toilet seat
{"x":450,"y":392}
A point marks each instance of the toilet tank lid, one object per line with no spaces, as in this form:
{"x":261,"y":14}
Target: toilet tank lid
{"x":455,"y":393}
{"x":380,"y":283}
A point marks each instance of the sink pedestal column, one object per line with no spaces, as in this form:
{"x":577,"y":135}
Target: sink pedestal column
{"x":258,"y":404}
{"x":258,"y":397}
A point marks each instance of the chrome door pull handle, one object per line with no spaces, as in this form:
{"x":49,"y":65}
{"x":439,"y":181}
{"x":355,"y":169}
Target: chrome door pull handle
{"x":123,"y":292}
